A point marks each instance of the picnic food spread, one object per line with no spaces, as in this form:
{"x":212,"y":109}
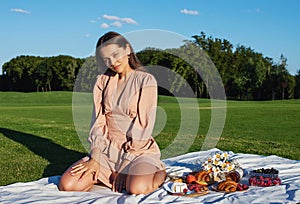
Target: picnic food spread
{"x":221,"y":175}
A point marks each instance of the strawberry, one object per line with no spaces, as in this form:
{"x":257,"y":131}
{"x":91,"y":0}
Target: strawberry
{"x":191,"y":187}
{"x":197,"y":189}
{"x":185,"y":190}
{"x":239,"y":187}
{"x":245,"y":187}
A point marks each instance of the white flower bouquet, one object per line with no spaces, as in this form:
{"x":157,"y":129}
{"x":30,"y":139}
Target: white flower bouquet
{"x":219,"y":165}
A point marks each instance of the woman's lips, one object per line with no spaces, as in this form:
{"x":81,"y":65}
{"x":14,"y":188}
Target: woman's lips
{"x":116,"y":67}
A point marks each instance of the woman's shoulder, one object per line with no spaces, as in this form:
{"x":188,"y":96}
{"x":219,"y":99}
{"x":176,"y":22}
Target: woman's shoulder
{"x":102,"y":79}
{"x":144,"y":77}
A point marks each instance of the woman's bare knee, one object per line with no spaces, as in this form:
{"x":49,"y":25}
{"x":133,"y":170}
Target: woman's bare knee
{"x":139,"y":186}
{"x":69,"y":183}
{"x":144,"y":184}
{"x":65,"y":185}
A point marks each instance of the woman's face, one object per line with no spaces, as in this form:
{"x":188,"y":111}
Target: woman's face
{"x":115,"y":57}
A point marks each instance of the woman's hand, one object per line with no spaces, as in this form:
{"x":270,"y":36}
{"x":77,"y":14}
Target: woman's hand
{"x":86,"y":168}
{"x":119,"y":182}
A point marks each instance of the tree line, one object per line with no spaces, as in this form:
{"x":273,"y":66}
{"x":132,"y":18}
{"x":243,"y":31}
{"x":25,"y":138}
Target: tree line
{"x":245,"y":73}
{"x":32,"y":73}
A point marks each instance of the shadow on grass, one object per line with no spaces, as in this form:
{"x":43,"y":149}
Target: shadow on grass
{"x":58,"y":156}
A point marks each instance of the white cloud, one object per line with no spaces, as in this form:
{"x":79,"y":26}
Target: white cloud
{"x":112,"y":18}
{"x":117,"y":24}
{"x":118,"y":21}
{"x":189,"y":12}
{"x":93,"y":21}
{"x":87,"y":35}
{"x":129,"y":21}
{"x":104,"y":25}
{"x":17,"y":10}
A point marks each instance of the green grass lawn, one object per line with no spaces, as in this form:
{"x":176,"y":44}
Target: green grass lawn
{"x":38,"y":136}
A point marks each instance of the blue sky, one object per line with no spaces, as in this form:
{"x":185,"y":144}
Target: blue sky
{"x":52,"y":27}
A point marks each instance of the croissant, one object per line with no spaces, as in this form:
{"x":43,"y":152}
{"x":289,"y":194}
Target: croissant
{"x":202,"y":176}
{"x":227,"y":186}
{"x":230,"y":188}
{"x":234,"y":176}
{"x":221,"y":186}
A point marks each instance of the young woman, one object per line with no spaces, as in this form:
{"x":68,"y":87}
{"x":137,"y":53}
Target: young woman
{"x":123,"y":153}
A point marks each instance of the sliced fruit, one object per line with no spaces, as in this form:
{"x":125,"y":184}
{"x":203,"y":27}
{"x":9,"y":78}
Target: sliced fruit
{"x":203,"y":183}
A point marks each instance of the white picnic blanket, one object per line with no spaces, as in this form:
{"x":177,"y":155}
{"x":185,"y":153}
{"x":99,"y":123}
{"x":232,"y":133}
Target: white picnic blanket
{"x":45,"y":190}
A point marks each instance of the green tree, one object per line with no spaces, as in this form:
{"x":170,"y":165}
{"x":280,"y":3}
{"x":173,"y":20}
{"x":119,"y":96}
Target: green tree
{"x":18,"y":72}
{"x":297,"y":85}
{"x":283,"y":76}
{"x":64,"y":70}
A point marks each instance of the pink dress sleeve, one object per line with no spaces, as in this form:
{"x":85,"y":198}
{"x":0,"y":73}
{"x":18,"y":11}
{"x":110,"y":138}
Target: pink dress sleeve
{"x":140,"y":134}
{"x":98,"y":130}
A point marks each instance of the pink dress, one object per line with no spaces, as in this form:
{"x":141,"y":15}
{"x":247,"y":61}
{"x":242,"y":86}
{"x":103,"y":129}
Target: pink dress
{"x":122,"y":124}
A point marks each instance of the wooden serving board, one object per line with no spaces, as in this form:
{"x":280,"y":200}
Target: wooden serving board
{"x":191,"y":195}
{"x":214,"y":188}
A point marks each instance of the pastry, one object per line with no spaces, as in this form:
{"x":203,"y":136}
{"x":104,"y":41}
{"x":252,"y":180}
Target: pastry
{"x":202,"y":176}
{"x":228,"y":186}
{"x":234,"y":176}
